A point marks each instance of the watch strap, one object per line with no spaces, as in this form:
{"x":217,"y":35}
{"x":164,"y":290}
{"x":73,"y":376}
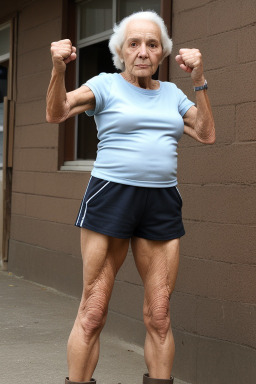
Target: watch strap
{"x":201,"y":87}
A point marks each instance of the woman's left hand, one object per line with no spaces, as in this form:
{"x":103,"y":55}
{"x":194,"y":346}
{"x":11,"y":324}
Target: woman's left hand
{"x":199,"y":122}
{"x":190,"y":60}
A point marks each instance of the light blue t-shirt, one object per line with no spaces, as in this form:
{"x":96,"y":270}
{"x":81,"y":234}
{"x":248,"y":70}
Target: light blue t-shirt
{"x":138,"y":131}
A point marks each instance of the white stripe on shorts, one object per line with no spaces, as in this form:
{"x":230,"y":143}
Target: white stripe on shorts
{"x":179,"y":193}
{"x":86,"y":204}
{"x":78,"y":218}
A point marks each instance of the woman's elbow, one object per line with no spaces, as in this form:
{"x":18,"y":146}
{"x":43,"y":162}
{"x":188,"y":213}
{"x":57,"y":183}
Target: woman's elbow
{"x":50,"y":118}
{"x":210,"y":139}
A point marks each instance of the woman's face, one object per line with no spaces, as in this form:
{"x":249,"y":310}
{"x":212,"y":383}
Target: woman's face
{"x":142,"y":49}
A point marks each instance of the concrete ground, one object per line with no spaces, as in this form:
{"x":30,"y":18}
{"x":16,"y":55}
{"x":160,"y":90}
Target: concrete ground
{"x":35,"y":322}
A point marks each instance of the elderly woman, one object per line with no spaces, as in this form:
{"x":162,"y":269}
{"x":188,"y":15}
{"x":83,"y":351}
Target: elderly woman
{"x":132,"y":194}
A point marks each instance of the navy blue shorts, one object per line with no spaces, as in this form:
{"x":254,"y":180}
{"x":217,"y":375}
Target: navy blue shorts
{"x":123,"y":211}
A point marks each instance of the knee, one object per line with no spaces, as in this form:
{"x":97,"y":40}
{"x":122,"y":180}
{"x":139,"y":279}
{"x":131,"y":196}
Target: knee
{"x":157,"y":316}
{"x":92,"y":315}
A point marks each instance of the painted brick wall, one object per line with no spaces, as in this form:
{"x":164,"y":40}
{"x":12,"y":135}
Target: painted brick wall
{"x":214,"y":305}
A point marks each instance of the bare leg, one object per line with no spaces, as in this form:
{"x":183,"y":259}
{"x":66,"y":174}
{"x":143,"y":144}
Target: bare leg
{"x":157,"y":263}
{"x":102,"y":258}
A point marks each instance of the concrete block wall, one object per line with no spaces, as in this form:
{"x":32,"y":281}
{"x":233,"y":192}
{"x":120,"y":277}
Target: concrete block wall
{"x":214,"y":304}
{"x":213,"y":307}
{"x":44,"y":244}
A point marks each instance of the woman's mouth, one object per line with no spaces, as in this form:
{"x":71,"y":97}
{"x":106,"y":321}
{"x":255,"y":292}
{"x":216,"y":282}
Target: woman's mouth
{"x":142,"y":66}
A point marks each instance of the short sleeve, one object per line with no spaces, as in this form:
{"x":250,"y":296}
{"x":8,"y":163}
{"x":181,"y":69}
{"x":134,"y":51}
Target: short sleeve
{"x":183,"y":102}
{"x":100,"y":86}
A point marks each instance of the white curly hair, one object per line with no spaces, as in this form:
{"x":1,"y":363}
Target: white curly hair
{"x":116,"y":40}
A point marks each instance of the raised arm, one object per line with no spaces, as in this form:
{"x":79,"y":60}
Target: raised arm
{"x":198,"y":121}
{"x":60,"y":104}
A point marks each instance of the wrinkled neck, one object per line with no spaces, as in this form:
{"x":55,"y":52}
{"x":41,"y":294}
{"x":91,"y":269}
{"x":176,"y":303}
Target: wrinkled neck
{"x":141,"y":82}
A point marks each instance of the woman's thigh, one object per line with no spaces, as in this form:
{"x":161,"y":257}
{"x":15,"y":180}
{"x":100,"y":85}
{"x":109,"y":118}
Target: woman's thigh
{"x":157,"y":263}
{"x":102,"y":258}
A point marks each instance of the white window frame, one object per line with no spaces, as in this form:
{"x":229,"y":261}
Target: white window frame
{"x":78,"y":165}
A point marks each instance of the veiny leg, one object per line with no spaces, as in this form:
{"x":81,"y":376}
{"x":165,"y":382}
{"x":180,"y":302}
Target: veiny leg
{"x":102,"y":258}
{"x":157,"y":263}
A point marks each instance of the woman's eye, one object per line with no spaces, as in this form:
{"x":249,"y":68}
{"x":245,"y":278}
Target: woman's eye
{"x":133,"y":44}
{"x":152,"y":45}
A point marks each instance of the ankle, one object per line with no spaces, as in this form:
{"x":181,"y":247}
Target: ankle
{"x":92,"y":381}
{"x":150,"y":380}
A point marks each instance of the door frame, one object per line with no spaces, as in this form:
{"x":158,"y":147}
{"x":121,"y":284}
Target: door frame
{"x":8,"y":138}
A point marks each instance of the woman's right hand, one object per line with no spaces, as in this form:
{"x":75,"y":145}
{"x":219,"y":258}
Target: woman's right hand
{"x":63,"y":52}
{"x":60,"y":104}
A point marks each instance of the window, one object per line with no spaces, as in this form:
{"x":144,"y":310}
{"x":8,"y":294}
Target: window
{"x":125,"y":8}
{"x":4,"y":42}
{"x":95,"y":19}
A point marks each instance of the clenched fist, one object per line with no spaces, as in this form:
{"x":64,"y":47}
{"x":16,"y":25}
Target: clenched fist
{"x":62,"y":52}
{"x":190,"y":60}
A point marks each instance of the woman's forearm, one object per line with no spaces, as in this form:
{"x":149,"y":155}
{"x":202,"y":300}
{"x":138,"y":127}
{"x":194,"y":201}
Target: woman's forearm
{"x":199,"y":123}
{"x":204,"y":125}
{"x":57,"y":106}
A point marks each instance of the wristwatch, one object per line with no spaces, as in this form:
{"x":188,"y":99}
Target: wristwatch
{"x":205,"y":86}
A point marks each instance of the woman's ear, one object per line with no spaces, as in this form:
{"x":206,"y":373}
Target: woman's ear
{"x":163,"y":57}
{"x":119,"y":52}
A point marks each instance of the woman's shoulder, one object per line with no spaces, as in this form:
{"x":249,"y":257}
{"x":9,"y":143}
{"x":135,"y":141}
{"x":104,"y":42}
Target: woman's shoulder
{"x":169,"y":85}
{"x":171,"y":88}
{"x":102,"y":78}
{"x":107,"y":75}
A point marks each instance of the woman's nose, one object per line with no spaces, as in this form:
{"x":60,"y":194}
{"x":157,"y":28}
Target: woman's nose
{"x":143,"y":51}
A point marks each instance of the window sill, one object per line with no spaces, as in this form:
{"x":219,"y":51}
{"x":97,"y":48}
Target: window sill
{"x":78,"y":166}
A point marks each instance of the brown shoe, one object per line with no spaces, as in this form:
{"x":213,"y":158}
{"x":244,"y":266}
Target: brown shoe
{"x":67,"y":381}
{"x":150,"y":380}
